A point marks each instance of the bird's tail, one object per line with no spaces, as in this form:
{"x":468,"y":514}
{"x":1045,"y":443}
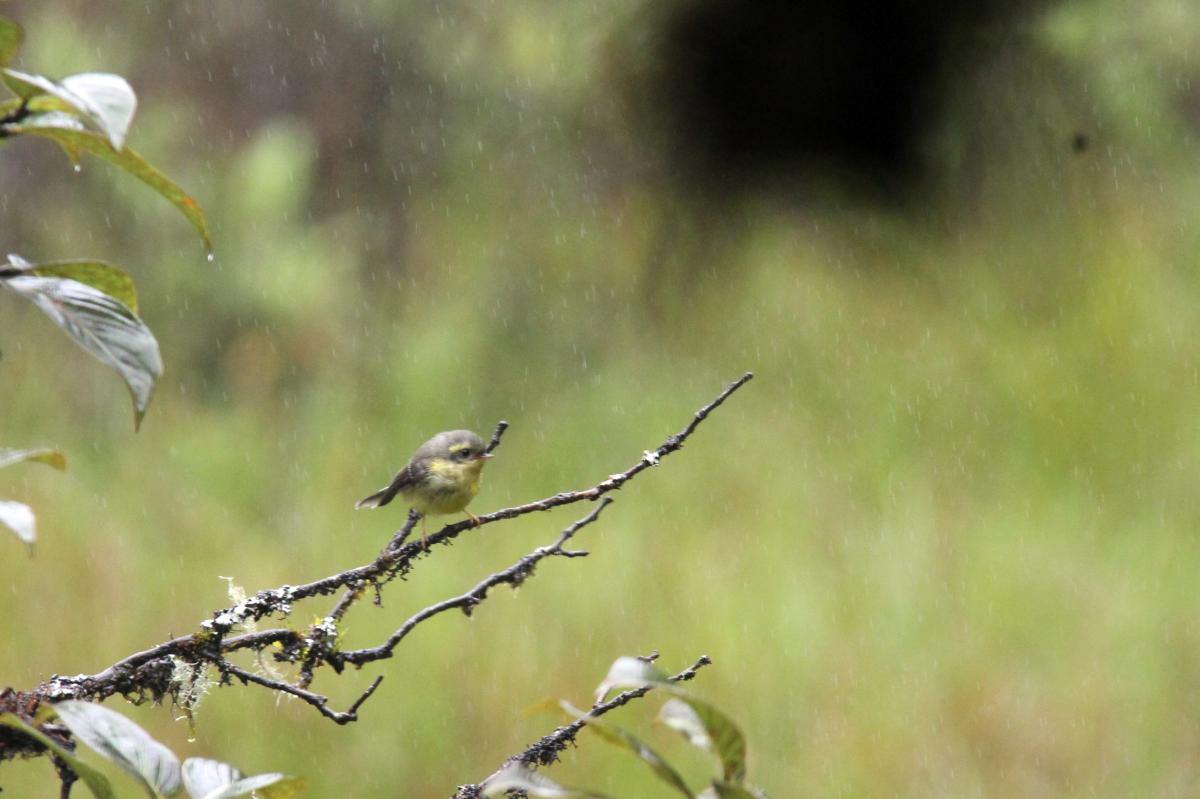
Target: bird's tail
{"x":377,"y":500}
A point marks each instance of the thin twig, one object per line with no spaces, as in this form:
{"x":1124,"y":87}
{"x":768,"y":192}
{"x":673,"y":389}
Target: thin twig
{"x":66,"y":777}
{"x":318,"y":701}
{"x":400,"y":559}
{"x":495,"y":442}
{"x":149,"y":673}
{"x":401,"y":535}
{"x":514,"y":575}
{"x":14,"y":117}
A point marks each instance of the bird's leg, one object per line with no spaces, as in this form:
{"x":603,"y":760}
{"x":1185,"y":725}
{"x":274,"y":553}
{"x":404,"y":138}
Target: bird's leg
{"x":474,"y":518}
{"x":424,"y":534}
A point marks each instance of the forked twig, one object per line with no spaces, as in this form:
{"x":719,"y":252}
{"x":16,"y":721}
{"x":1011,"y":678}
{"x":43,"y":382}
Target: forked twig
{"x":150,"y":673}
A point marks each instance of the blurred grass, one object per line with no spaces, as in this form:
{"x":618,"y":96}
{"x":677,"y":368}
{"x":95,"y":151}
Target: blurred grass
{"x":943,"y":544}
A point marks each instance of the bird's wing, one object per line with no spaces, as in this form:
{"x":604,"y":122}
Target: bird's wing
{"x":406,"y":478}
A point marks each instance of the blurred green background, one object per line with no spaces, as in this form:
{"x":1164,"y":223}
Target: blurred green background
{"x":944,"y":544}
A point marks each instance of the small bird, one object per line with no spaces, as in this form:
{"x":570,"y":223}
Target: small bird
{"x":442,"y":477}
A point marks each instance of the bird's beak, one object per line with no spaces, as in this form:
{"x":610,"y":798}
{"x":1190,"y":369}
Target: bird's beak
{"x":484,"y":456}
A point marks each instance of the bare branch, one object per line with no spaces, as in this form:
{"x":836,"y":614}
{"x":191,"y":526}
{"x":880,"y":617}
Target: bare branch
{"x":316,"y":700}
{"x":401,"y":535}
{"x":514,"y":575}
{"x":495,"y":442}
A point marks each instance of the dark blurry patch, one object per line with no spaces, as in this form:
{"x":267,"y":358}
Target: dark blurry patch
{"x":1080,"y":142}
{"x":746,"y":94}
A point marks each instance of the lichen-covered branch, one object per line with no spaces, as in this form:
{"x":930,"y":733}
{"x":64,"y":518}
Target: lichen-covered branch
{"x":546,"y":750}
{"x":514,"y":575}
{"x":153,"y":673}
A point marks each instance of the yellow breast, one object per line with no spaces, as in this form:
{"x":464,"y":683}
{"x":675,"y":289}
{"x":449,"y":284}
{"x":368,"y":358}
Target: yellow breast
{"x":449,"y":487}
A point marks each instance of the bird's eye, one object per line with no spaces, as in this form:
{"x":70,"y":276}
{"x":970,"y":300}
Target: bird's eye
{"x":464,"y":453}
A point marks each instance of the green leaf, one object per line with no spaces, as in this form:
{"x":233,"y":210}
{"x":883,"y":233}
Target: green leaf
{"x":624,"y":739}
{"x":72,"y":136}
{"x":18,"y":517}
{"x":10,"y":39}
{"x":212,"y":779}
{"x":120,"y":740}
{"x":96,"y":782}
{"x":112,"y":280}
{"x":102,"y":325}
{"x":630,"y":672}
{"x":515,"y":777}
{"x":50,"y":457}
{"x":106,"y":102}
{"x":708,"y":728}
